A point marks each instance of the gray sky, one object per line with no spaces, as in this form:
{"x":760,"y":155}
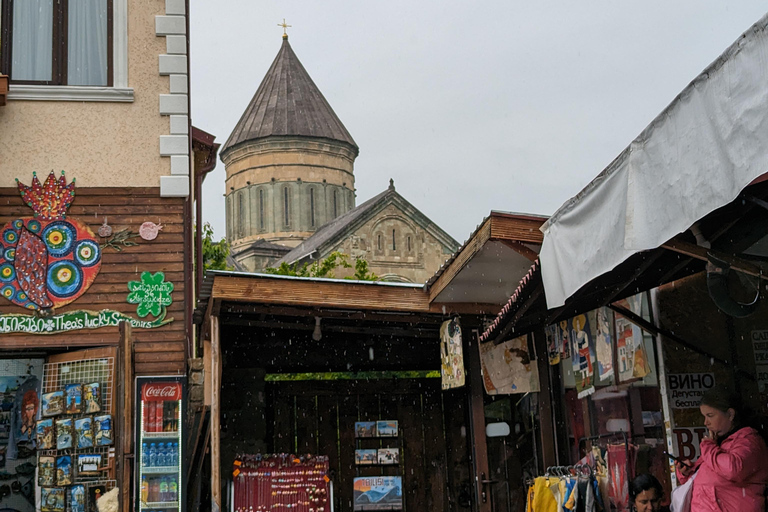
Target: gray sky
{"x":469,"y":106}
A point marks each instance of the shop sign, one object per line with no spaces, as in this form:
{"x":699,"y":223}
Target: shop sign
{"x":686,"y":389}
{"x":760,"y":348}
{"x":687,"y":440}
{"x":73,"y":320}
{"x":161,"y":391}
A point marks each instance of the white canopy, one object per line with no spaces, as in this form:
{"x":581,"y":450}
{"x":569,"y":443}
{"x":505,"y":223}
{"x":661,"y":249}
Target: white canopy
{"x":695,"y":157}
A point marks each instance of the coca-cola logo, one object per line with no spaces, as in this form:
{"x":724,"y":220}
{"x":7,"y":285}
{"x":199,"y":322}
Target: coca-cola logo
{"x":161,"y":391}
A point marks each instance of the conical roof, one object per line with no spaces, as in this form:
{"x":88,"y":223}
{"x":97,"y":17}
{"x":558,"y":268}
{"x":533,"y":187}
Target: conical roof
{"x":288,"y":103}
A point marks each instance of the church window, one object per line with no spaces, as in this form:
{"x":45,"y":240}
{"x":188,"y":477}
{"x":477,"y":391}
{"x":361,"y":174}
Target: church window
{"x":335,"y":204}
{"x":378,"y":242}
{"x":408,"y":243}
{"x":286,"y":207}
{"x":312,"y":207}
{"x":261,"y":208}
{"x":240,"y":215}
{"x":394,"y":244}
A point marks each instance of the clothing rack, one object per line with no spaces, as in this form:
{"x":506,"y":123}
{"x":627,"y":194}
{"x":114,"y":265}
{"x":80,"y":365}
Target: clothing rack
{"x":624,"y":439}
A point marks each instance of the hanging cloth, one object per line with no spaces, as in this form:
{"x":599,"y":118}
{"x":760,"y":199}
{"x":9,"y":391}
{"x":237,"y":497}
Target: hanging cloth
{"x":543,"y":499}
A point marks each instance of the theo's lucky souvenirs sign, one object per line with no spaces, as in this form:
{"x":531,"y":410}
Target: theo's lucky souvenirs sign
{"x":48,"y":261}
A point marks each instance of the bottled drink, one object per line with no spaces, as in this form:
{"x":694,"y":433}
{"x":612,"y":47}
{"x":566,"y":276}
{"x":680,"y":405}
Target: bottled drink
{"x":161,"y":455}
{"x":144,"y":489}
{"x":175,"y":461}
{"x":145,"y":454}
{"x":164,"y":489}
{"x":149,"y":424}
{"x":154,"y":490}
{"x":152,"y":455}
{"x":173,"y":489}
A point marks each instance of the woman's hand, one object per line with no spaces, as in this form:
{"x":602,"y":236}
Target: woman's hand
{"x":711,"y":435}
{"x":685,"y":468}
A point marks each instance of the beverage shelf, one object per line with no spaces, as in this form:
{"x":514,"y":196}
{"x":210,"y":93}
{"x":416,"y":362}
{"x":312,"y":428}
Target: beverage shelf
{"x":160,"y":435}
{"x":159,"y":470}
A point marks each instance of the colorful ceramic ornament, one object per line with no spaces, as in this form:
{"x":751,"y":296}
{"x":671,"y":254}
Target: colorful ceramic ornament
{"x":149,"y":230}
{"x":105,"y":229}
{"x":47,"y":261}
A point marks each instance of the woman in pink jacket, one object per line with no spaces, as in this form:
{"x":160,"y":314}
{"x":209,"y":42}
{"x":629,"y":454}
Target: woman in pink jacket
{"x":732,"y":472}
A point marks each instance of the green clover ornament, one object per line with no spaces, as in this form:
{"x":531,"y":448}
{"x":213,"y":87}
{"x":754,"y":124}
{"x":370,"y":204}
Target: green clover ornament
{"x":152,"y":294}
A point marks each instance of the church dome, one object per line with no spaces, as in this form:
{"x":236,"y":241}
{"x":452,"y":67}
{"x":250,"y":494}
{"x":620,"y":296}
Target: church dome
{"x":288,"y":103}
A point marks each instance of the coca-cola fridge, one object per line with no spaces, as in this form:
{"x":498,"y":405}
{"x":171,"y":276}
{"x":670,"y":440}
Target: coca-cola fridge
{"x":159,"y":447}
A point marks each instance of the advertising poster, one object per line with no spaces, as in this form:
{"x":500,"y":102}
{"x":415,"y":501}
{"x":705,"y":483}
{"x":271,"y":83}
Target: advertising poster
{"x":760,"y":349}
{"x":686,"y":389}
{"x":451,"y":354}
{"x":378,"y":493}
{"x":508,"y":367}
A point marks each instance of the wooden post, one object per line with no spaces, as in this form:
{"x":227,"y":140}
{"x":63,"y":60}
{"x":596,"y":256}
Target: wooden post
{"x":477,"y":426}
{"x":125,"y":407}
{"x":546,"y":423}
{"x":215,"y":416}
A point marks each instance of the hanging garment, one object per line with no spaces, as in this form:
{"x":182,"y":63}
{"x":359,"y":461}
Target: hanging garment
{"x":543,"y":499}
{"x":529,"y":500}
{"x":572,"y":495}
{"x":620,"y":459}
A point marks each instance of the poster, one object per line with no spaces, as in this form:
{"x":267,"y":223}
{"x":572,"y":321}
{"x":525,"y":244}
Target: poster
{"x":451,"y":354}
{"x":508,"y":367}
{"x":760,"y":349}
{"x":604,"y":342}
{"x":686,"y":389}
{"x":583,"y":353}
{"x":554,"y":343}
{"x":631,"y":356}
{"x":378,"y":493}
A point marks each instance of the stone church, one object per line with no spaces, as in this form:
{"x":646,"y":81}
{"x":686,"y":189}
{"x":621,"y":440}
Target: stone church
{"x":291,"y":188}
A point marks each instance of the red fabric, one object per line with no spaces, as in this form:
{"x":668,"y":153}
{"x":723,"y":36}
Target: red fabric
{"x":731,"y":477}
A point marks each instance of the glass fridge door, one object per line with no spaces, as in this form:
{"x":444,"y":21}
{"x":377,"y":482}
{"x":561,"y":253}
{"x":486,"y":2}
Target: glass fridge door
{"x":159,"y":447}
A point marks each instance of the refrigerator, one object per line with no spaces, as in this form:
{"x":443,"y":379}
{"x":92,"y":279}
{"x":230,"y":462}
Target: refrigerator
{"x":159,"y":448}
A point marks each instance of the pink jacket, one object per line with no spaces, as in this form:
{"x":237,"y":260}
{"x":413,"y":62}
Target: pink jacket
{"x":731,"y":477}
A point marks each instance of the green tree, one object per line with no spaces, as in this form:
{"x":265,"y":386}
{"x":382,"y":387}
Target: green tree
{"x":214,"y":253}
{"x":326,"y":268}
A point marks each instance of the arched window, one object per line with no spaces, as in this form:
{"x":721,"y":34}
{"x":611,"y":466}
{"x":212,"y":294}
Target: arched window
{"x":286,"y":208}
{"x":394,"y":243}
{"x":261,"y":208}
{"x":408,"y":243}
{"x":312,"y":207}
{"x":335,"y":204}
{"x":378,"y":242}
{"x":240,"y":215}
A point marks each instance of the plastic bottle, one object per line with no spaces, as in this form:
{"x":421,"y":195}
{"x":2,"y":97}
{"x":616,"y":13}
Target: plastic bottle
{"x":161,"y":455}
{"x":145,"y":454}
{"x":154,"y":490}
{"x":144,"y":489}
{"x":152,"y":455}
{"x":164,"y":489}
{"x":173,"y":489}
{"x":175,"y":461}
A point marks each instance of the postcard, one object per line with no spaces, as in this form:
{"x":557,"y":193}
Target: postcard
{"x":88,"y":465}
{"x":102,"y":428}
{"x":53,"y":403}
{"x":46,"y":471}
{"x":365,"y":429}
{"x":64,"y":470}
{"x":65,"y":429}
{"x":52,"y":499}
{"x":45,"y":438}
{"x":365,"y":456}
{"x":84,"y":432}
{"x":74,"y":398}
{"x":76,"y":501}
{"x":386,"y":428}
{"x":389,"y":455}
{"x":92,"y":397}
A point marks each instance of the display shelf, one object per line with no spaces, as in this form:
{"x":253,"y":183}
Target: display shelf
{"x":160,"y":435}
{"x":159,"y":470}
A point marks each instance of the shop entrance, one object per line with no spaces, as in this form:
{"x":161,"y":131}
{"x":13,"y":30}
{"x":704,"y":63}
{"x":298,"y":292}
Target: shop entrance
{"x":427,"y":450}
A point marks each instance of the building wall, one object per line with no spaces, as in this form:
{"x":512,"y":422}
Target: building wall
{"x":260,"y":172}
{"x":115,"y":142}
{"x":415,"y":256}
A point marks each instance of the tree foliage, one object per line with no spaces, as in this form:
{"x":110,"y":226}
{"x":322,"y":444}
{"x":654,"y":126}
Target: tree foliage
{"x":326,"y":268}
{"x":214,"y":253}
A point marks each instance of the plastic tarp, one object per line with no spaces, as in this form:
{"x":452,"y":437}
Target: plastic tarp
{"x":695,"y":157}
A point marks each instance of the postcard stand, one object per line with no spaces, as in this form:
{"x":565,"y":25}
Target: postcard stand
{"x":377,"y":457}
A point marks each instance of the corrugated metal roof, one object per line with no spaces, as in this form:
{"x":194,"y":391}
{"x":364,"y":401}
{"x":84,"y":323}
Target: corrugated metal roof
{"x":288,"y":103}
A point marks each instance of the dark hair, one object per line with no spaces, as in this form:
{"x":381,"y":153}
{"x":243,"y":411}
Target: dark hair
{"x":723,"y":399}
{"x":642,"y":483}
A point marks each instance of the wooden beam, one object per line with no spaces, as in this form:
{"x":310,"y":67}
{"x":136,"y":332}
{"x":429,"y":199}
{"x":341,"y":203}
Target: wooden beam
{"x":215,"y":416}
{"x":547,"y":427}
{"x":477,"y":425}
{"x":470,"y":249}
{"x":700,"y":253}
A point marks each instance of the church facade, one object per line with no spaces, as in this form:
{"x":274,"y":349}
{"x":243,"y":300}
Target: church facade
{"x":290,"y":188}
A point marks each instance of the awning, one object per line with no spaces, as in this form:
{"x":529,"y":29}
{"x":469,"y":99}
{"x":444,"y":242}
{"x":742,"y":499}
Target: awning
{"x":697,"y":156}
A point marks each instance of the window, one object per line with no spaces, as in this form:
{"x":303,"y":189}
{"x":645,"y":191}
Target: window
{"x":378,"y":242}
{"x":408,"y":243}
{"x":312,"y":207}
{"x":240,"y":215}
{"x":335,"y":204}
{"x":286,"y":208}
{"x":58,"y":42}
{"x":261,"y":208}
{"x":394,"y":244}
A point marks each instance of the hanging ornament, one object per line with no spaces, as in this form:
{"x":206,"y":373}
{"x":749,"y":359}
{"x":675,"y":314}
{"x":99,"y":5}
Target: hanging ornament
{"x":149,"y":230}
{"x":105,"y":230}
